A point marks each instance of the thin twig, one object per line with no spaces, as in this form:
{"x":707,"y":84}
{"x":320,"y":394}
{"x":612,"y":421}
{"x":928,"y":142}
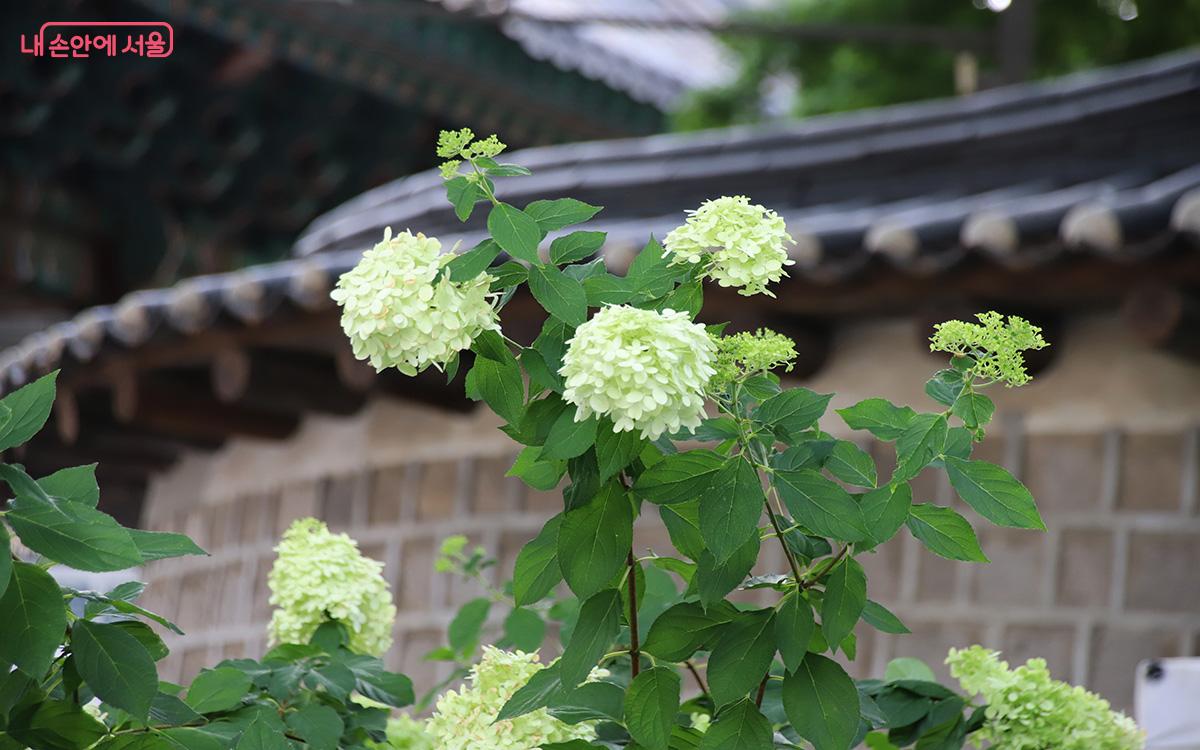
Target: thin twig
{"x":696,"y":674}
{"x":635,"y":655}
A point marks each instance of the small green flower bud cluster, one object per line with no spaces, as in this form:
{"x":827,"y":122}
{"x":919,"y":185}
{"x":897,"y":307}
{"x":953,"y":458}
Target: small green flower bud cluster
{"x":994,"y":344}
{"x":745,"y":354}
{"x":739,"y":243}
{"x":398,"y":312}
{"x":458,"y":145}
{"x":320,"y":576}
{"x":647,"y":370}
{"x":1029,"y":710}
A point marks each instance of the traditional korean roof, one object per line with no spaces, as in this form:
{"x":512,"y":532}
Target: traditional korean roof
{"x":1040,"y":199}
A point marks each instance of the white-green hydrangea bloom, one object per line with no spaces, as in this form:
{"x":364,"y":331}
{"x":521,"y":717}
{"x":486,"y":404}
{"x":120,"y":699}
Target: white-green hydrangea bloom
{"x":406,"y":733}
{"x":1029,"y":710}
{"x":644,"y":369}
{"x":465,"y":719}
{"x":740,"y":244}
{"x":396,"y":315}
{"x":320,"y":576}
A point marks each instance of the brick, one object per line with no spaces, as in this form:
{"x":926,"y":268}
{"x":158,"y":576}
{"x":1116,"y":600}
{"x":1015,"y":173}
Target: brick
{"x":387,"y":495}
{"x":931,"y":640}
{"x":416,"y":570}
{"x":1065,"y":472}
{"x":1014,"y":575}
{"x":1164,"y":572}
{"x":882,"y":566}
{"x":493,"y":492}
{"x":439,"y":486}
{"x":1115,"y":656}
{"x":1054,"y":643}
{"x":1151,"y":472}
{"x":337,"y":501}
{"x":1084,"y":575}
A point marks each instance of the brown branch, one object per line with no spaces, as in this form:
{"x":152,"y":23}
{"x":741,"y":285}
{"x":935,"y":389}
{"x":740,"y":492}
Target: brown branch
{"x":696,"y":674}
{"x":635,"y":655}
{"x":762,"y":689}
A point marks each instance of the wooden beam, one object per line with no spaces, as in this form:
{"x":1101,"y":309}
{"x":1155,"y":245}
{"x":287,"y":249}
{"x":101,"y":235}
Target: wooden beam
{"x":1165,"y":317}
{"x":281,"y":381}
{"x":161,"y":406}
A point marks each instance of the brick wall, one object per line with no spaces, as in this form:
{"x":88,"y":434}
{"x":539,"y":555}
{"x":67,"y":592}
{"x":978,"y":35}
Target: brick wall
{"x":1114,"y":580}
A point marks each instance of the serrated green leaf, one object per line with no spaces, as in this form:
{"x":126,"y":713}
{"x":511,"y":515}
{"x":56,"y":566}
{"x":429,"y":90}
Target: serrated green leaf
{"x":651,"y":273}
{"x":974,"y":409}
{"x":575,"y":246}
{"x":821,"y":506}
{"x":793,"y":410}
{"x":524,"y":629}
{"x":616,"y":450}
{"x":713,"y":581}
{"x":598,"y":625}
{"x":54,"y":725}
{"x":115,"y":665}
{"x":886,"y":510}
{"x":536,"y":571}
{"x":822,"y":703}
{"x":516,"y":232}
{"x":463,"y":632}
{"x":685,"y":628}
{"x":463,"y":195}
{"x":739,"y":727}
{"x":679,"y":477}
{"x":606,"y":289}
{"x":77,"y":484}
{"x":908,"y":668}
{"x":500,"y":385}
{"x":994,"y":493}
{"x":741,"y":657}
{"x":562,"y":296}
{"x":845,"y":597}
{"x":28,"y":408}
{"x":569,"y":438}
{"x":534,"y":694}
{"x":683,"y":526}
{"x":34,"y":620}
{"x":160,"y":545}
{"x":945,"y":386}
{"x":217,"y":689}
{"x":878,"y":416}
{"x":651,"y":703}
{"x":881,"y":618}
{"x":919,"y":445}
{"x":591,"y":701}
{"x":562,"y":212}
{"x":730,"y":508}
{"x":945,"y":533}
{"x":794,"y":625}
{"x":594,"y":541}
{"x":851,"y":464}
{"x":319,"y":726}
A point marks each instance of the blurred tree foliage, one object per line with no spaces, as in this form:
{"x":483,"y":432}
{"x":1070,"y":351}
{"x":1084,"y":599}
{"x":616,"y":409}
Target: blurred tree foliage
{"x":1069,"y":35}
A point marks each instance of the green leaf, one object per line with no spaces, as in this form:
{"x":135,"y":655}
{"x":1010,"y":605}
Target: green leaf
{"x":319,"y":726}
{"x":463,"y":632}
{"x":378,"y":684}
{"x":575,"y":246}
{"x":882,"y":619}
{"x":217,"y":689}
{"x":160,"y":545}
{"x":538,"y":474}
{"x":793,"y":410}
{"x":524,"y":629}
{"x":563,"y":212}
{"x":145,"y":636}
{"x":535,"y":694}
{"x":507,"y":275}
{"x":28,"y":409}
{"x":851,"y":464}
{"x":713,"y":580}
{"x":73,"y":534}
{"x":886,"y":510}
{"x":569,"y":438}
{"x":730,"y":508}
{"x":739,"y":727}
{"x":845,"y":597}
{"x":878,"y":416}
{"x":685,"y":628}
{"x":679,"y":477}
{"x":945,"y":533}
{"x":920,"y":444}
{"x":687,"y":297}
{"x":908,"y":668}
{"x":651,"y":273}
{"x":822,"y":703}
{"x":537,"y":572}
{"x":473,"y":262}
{"x":77,"y":484}
{"x":591,"y":701}
{"x":974,"y":409}
{"x":463,"y":195}
{"x":597,"y":628}
{"x":683,"y":525}
{"x":821,"y":506}
{"x":606,"y":289}
{"x":34,"y":620}
{"x":260,"y":735}
{"x":794,"y":626}
{"x":515,"y":231}
{"x":562,"y":296}
{"x":6,"y":559}
{"x":994,"y":493}
{"x":616,"y":450}
{"x":115,"y":666}
{"x":594,"y":541}
{"x":499,"y":384}
{"x":651,"y":703}
{"x":742,"y":656}
{"x":54,"y":725}
{"x":945,"y":386}
{"x":169,"y":710}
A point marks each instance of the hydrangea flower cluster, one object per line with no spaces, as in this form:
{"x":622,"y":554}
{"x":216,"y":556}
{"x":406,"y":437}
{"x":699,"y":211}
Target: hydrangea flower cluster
{"x":745,"y":354}
{"x":1029,"y":710}
{"x":994,"y":344}
{"x":406,"y":733}
{"x":398,"y":313}
{"x":647,"y":370}
{"x":465,"y":720}
{"x":740,"y":243}
{"x":320,"y":576}
{"x":456,"y":145}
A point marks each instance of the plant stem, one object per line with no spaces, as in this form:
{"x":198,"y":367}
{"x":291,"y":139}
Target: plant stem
{"x":635,"y":655}
{"x":787,"y":552}
{"x":762,"y":689}
{"x":696,"y":674}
